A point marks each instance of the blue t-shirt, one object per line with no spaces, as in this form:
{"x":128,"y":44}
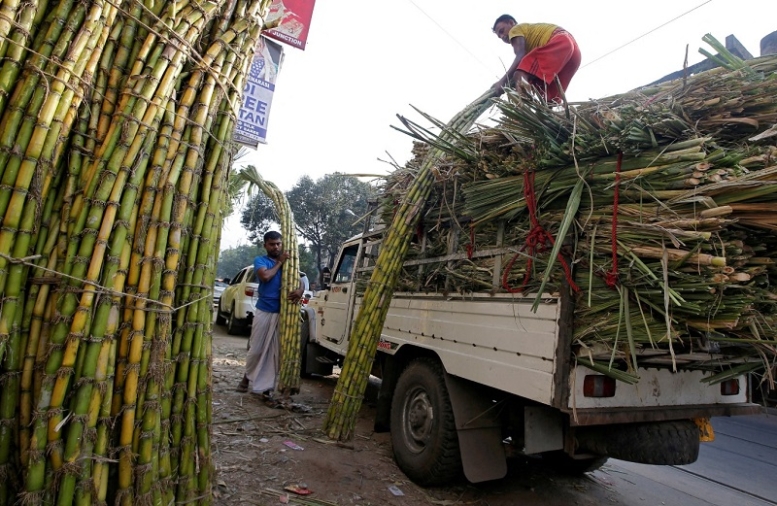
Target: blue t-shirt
{"x":270,"y":292}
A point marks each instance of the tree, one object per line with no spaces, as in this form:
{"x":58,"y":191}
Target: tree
{"x":307,"y":262}
{"x":326,"y":212}
{"x":233,"y":259}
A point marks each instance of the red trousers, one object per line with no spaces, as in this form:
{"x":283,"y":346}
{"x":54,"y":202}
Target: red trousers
{"x":559,"y":57}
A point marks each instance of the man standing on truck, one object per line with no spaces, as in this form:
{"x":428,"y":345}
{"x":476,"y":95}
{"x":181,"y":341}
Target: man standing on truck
{"x":546,"y":57}
{"x":262,"y":358}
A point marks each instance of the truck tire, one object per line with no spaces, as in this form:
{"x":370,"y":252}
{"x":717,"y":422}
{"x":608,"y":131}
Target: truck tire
{"x":423,"y":430}
{"x":661,"y":443}
{"x":234,"y":324}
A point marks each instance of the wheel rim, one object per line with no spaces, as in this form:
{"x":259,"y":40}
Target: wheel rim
{"x":232,"y":318}
{"x":417,"y":420}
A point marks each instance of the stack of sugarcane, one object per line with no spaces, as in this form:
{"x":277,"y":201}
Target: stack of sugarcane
{"x":289,"y":324}
{"x":115,"y":143}
{"x":662,"y":202}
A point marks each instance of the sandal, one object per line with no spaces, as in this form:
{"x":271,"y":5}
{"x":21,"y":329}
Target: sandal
{"x":242,"y":387}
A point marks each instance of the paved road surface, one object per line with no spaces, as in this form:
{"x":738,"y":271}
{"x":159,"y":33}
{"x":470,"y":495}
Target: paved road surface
{"x":738,"y":469}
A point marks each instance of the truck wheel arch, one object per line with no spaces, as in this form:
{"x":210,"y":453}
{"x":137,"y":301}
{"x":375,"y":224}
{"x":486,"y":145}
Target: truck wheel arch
{"x":478,"y":427}
{"x":391,"y":366}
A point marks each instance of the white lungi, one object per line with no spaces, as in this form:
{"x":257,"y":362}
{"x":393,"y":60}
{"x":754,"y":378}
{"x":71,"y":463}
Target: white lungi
{"x":262,"y":357}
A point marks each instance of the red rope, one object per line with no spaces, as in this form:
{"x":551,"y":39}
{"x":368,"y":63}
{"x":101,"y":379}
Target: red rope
{"x":612,"y":277}
{"x":536,"y":242}
{"x":471,"y":245}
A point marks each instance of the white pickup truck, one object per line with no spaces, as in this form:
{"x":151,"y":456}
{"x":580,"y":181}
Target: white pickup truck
{"x":468,"y":380}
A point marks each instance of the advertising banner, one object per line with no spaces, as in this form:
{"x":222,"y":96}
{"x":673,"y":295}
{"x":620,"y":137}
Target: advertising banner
{"x":291,"y":21}
{"x":251,"y":128}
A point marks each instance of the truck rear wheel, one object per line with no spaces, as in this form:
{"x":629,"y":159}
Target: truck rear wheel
{"x":423,"y":430}
{"x":661,"y":443}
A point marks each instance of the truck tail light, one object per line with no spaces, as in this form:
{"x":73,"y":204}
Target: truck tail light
{"x":249,"y":291}
{"x":598,"y":386}
{"x":729,"y":387}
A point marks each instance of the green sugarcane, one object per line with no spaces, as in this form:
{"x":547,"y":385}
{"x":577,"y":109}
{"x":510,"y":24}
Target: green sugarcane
{"x":99,"y":471}
{"x":88,"y":40}
{"x":135,"y":355}
{"x":18,"y":128}
{"x":24,"y":89}
{"x":118,"y":71}
{"x":13,"y":49}
{"x":174,"y":246}
{"x":8,"y":400}
{"x":125,"y":190}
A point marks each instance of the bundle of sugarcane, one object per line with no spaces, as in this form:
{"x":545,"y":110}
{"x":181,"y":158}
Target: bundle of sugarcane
{"x":289,"y":324}
{"x":665,"y":191}
{"x":114,"y":147}
{"x":346,"y":399}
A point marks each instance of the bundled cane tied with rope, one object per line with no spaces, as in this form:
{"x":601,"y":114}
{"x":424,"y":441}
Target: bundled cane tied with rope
{"x":656,"y":207}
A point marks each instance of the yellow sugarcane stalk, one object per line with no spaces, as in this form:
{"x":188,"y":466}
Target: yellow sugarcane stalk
{"x":95,"y":373}
{"x":289,"y":328}
{"x":346,"y":399}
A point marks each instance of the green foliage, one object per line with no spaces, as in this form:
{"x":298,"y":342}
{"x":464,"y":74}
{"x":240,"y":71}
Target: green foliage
{"x":307,"y":262}
{"x":233,"y":259}
{"x":326,"y":212}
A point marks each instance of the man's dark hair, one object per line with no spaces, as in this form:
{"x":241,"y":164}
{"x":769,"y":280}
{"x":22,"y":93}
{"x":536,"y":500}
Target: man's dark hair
{"x":502,"y":19}
{"x":272,"y":235}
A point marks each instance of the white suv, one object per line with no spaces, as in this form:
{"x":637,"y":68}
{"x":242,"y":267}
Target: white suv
{"x":238,"y":302}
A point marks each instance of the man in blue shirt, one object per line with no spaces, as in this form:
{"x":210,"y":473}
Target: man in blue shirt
{"x":262,"y":358}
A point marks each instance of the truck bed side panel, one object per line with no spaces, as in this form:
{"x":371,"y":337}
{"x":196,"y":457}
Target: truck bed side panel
{"x":496,"y":341}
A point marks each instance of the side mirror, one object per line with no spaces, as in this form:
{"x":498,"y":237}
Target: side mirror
{"x":227,"y":280}
{"x":326,"y":278}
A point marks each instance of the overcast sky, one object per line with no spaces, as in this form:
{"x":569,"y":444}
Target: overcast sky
{"x":367,"y":61}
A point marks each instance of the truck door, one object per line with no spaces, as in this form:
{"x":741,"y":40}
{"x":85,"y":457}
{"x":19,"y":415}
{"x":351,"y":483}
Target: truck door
{"x":338,"y":308}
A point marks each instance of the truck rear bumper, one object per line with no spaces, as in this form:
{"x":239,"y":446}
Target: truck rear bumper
{"x":606,"y":416}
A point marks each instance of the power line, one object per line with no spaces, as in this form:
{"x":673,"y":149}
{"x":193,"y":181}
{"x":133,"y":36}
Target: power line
{"x":645,"y":34}
{"x":465,"y":48}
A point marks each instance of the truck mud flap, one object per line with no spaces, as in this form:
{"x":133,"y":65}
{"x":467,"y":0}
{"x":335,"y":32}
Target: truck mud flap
{"x":479,"y":429}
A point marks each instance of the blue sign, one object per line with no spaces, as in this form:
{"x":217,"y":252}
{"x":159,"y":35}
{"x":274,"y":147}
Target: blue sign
{"x":251,"y":128}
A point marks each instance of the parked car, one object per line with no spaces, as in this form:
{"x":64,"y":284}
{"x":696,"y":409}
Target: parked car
{"x":237,"y":302}
{"x":218,"y":289}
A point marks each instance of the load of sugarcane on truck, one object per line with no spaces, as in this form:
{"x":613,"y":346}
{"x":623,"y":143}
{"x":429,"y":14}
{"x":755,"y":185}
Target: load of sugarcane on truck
{"x":577,"y":282}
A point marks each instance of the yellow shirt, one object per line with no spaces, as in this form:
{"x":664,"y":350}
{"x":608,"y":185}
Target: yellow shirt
{"x":536,"y":34}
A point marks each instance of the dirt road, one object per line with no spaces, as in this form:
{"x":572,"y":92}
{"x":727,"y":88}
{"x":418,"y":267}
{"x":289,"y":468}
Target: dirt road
{"x":254,"y":458}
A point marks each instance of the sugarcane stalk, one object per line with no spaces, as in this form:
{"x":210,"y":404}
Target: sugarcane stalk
{"x":123,"y":197}
{"x":13,"y":49}
{"x":346,"y":400}
{"x":289,"y":330}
